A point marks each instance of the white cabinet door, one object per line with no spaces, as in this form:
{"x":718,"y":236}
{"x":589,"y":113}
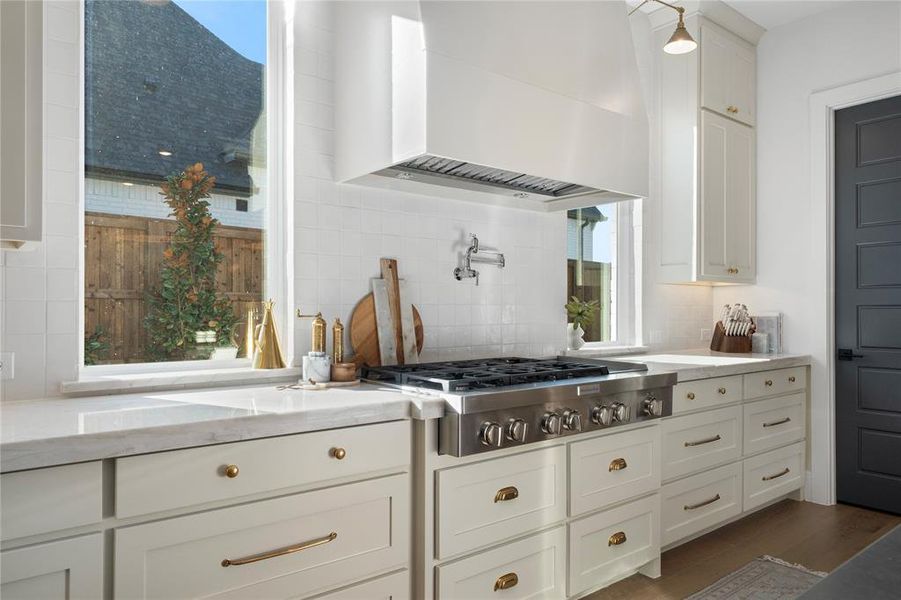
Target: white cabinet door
{"x":21,"y":140}
{"x":728,"y":210}
{"x":728,"y":74}
{"x":66,"y":569}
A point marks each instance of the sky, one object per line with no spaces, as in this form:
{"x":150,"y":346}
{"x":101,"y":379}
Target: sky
{"x":239,"y":23}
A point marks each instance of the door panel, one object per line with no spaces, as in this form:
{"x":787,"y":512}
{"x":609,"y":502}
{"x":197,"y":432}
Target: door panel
{"x":868,"y":304}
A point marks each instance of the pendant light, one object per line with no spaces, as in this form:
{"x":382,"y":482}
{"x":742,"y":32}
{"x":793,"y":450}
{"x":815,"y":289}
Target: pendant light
{"x":681,"y":41}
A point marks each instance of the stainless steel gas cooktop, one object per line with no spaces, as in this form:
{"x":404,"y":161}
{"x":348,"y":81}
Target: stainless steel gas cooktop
{"x":496,"y":403}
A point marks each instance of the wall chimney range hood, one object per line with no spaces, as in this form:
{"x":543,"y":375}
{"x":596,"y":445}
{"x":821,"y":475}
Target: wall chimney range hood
{"x":528,"y":104}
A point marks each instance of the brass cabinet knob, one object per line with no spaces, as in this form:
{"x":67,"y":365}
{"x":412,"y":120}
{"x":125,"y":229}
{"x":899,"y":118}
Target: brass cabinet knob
{"x":231,"y":471}
{"x":505,"y":582}
{"x":338,"y":453}
{"x":768,"y":383}
{"x":690,"y":395}
{"x":732,"y":109}
{"x":791,"y":379}
{"x":722,"y":391}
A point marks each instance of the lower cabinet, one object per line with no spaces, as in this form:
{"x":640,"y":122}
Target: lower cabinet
{"x":65,"y":569}
{"x":395,"y":586}
{"x":774,"y":474}
{"x":533,"y":567}
{"x":287,"y":547}
{"x":695,"y":503}
{"x":608,"y":545}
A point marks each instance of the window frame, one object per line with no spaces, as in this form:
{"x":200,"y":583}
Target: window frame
{"x":627,"y":280}
{"x":279,"y":215}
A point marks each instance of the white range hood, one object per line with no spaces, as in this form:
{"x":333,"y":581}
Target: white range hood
{"x":533,"y":104}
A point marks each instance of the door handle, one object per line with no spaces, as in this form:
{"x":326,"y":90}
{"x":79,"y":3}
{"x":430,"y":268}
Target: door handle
{"x":847,"y":354}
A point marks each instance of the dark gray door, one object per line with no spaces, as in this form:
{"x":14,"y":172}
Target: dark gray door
{"x":868,"y":304}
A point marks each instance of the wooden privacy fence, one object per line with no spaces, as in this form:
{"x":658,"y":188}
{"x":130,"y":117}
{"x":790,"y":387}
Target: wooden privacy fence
{"x":596,"y":279}
{"x":122,"y":258}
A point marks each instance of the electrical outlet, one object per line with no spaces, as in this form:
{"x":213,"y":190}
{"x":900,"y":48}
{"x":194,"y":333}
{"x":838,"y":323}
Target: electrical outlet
{"x":7,"y":365}
{"x":706,"y":333}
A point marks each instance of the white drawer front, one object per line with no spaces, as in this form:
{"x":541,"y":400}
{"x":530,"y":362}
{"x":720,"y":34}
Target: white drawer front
{"x":770,"y":383}
{"x":773,"y":474}
{"x":351,"y":532}
{"x":390,"y":587}
{"x":145,"y":484}
{"x":706,"y":393}
{"x":531,"y":568}
{"x":695,"y":442}
{"x":700,"y":501}
{"x":775,"y":422}
{"x":614,"y":467}
{"x":44,"y":500}
{"x":613,"y":544}
{"x":482,"y":503}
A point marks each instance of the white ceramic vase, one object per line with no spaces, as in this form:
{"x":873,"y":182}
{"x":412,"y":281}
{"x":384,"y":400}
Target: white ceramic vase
{"x":575,"y":333}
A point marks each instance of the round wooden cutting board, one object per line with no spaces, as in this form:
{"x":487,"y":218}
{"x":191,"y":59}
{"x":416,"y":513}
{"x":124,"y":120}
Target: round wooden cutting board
{"x":364,"y":338}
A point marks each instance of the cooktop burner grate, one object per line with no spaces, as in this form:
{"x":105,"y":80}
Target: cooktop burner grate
{"x":482,"y":374}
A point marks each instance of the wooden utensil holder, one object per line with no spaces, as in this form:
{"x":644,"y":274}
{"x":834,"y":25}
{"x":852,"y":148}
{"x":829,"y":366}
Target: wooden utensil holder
{"x":729,"y":343}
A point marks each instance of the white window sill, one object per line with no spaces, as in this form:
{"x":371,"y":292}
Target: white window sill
{"x":598,"y":351}
{"x":102,"y":384}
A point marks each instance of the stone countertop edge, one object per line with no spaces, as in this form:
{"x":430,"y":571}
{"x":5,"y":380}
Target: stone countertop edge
{"x":275,"y":413}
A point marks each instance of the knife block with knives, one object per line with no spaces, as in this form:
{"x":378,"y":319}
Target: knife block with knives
{"x":732,"y":332}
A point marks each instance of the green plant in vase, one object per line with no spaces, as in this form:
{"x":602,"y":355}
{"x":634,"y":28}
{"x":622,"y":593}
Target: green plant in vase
{"x":186,"y":303}
{"x":581,"y":314}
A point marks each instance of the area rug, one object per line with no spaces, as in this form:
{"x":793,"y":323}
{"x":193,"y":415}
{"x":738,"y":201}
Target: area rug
{"x":764,"y":578}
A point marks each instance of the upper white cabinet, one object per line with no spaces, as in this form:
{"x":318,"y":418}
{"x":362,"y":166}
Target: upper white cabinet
{"x":707,"y":153}
{"x":21,"y":117}
{"x":728,"y":74}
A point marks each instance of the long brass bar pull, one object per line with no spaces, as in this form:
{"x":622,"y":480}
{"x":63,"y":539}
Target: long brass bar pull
{"x":280,"y":552}
{"x":777,"y":475}
{"x":505,"y":582}
{"x":507,"y":493}
{"x":709,"y":440}
{"x":779,"y":422}
{"x":701,"y":504}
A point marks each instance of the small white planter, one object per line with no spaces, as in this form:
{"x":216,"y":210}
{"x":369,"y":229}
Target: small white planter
{"x":225,"y":353}
{"x":574,"y":336}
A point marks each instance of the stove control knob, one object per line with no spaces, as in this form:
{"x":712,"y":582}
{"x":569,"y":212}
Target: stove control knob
{"x":652,"y":407}
{"x":572,"y":420}
{"x":551,"y":423}
{"x":602,"y":415}
{"x":517,"y":429}
{"x":491,"y":434}
{"x":620,"y":412}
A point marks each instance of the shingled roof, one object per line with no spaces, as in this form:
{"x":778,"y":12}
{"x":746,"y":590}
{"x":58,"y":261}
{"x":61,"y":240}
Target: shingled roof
{"x":156,"y":79}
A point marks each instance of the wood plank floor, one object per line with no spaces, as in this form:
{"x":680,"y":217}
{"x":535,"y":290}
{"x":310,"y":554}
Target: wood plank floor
{"x":818,"y":537}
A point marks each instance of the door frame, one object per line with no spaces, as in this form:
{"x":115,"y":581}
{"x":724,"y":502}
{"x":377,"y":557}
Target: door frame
{"x":820,"y":486}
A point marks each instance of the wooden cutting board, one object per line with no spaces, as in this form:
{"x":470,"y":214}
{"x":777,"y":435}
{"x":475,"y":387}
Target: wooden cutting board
{"x":364,"y":337}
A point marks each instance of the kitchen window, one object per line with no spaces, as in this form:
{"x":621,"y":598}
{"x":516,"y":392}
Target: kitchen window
{"x":603,"y":268}
{"x":181,"y":192}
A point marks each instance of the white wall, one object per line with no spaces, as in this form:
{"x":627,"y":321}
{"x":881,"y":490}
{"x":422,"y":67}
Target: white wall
{"x":844,"y":45}
{"x":340,"y":232}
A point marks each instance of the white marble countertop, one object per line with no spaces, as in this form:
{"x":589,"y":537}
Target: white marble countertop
{"x":43,"y":433}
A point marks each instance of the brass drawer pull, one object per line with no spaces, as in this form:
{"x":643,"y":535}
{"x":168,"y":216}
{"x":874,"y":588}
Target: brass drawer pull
{"x":791,"y":379}
{"x":732,"y":109}
{"x":722,"y":391}
{"x":709,"y":440}
{"x":690,"y":395}
{"x":338,"y":453}
{"x":505,"y":582}
{"x":768,"y":383}
{"x":280,"y":552}
{"x":617,"y":464}
{"x":231,"y":471}
{"x":779,"y":422}
{"x":507,"y":493}
{"x":777,"y":475}
{"x":701,"y":504}
{"x":617,"y":538}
